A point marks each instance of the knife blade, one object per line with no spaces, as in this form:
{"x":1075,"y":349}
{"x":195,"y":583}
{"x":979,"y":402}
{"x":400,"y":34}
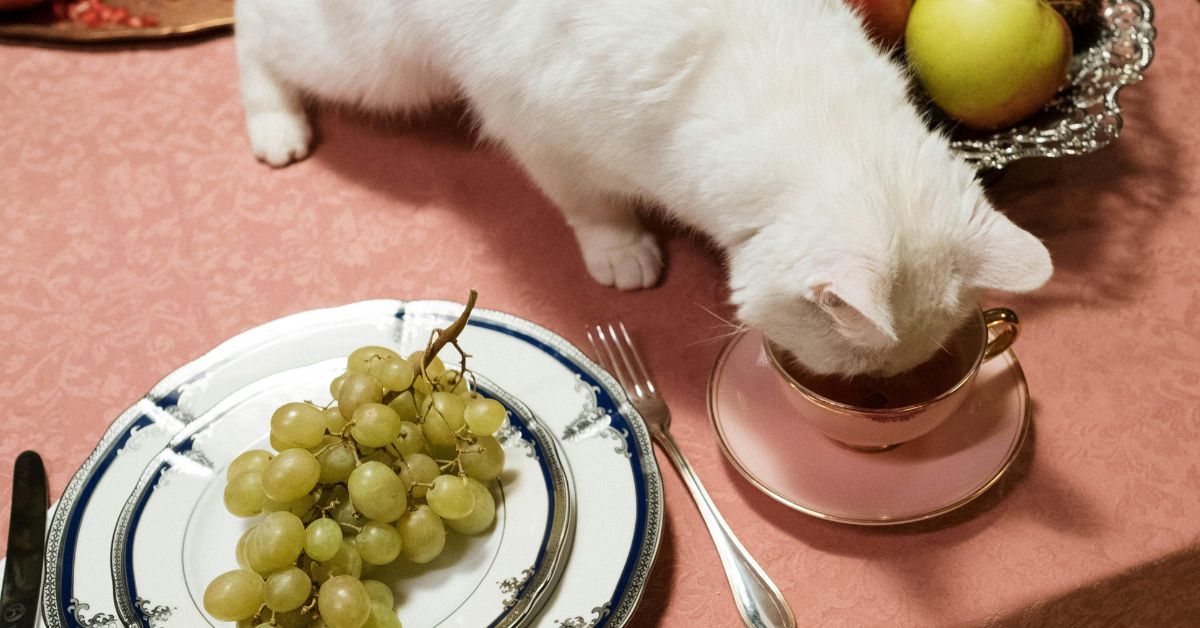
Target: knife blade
{"x":26,"y":543}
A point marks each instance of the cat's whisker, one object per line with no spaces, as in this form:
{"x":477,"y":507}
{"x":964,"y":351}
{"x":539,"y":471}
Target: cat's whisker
{"x":720,"y":318}
{"x":937,"y":342}
{"x":718,"y":337}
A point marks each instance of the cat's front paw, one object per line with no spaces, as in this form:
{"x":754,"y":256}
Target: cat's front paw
{"x":279,"y":137}
{"x":627,"y":261}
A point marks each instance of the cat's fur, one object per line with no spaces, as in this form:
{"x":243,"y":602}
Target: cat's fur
{"x":855,"y":238}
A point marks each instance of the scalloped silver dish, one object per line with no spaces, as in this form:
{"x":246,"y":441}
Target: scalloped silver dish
{"x":1085,"y":116}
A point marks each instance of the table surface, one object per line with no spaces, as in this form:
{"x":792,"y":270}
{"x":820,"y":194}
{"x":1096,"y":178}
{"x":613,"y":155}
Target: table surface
{"x":139,"y":232}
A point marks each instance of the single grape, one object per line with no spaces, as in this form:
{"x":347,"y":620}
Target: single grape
{"x":299,"y":423}
{"x":421,"y":388}
{"x":452,"y":382}
{"x":422,"y":469}
{"x":375,"y":425}
{"x":484,"y":460}
{"x":279,"y":539}
{"x":344,"y":603}
{"x":450,"y":497}
{"x":405,"y":406}
{"x":437,"y":432}
{"x":442,"y":414}
{"x":330,"y":494}
{"x":393,"y":373}
{"x":337,"y":461}
{"x":435,"y":368}
{"x":442,"y":452}
{"x":322,"y":539}
{"x":382,"y":617}
{"x":357,"y":389}
{"x":256,"y":562}
{"x":334,"y":421}
{"x":379,"y":593}
{"x":244,"y":494}
{"x":234,"y":595}
{"x":484,"y":416}
{"x":377,"y":492}
{"x":287,"y":589}
{"x":335,"y":386}
{"x":450,"y":406}
{"x":280,"y":444}
{"x":379,"y":455}
{"x":410,"y":439}
{"x":300,"y":507}
{"x":345,"y":514}
{"x":378,"y":543}
{"x":253,"y":460}
{"x":346,"y":562}
{"x":242,"y":543}
{"x":422,"y":535}
{"x":296,"y":618}
{"x":363,"y":358}
{"x":481,"y":516}
{"x":290,"y":475}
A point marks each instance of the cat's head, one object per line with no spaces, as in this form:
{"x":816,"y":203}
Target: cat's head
{"x":878,"y":291}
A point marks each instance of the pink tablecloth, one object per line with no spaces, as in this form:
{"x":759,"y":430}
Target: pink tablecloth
{"x":138,"y":232}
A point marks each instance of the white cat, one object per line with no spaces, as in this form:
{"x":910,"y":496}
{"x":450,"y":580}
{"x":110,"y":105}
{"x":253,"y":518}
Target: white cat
{"x":855,"y":237}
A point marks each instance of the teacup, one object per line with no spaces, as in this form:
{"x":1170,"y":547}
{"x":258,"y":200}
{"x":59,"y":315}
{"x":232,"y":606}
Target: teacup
{"x":874,"y":414}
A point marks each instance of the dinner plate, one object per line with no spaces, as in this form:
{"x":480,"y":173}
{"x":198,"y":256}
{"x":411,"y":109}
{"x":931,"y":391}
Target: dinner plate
{"x":175,"y":18}
{"x":618,"y":489}
{"x":799,"y":467}
{"x":174,"y":535}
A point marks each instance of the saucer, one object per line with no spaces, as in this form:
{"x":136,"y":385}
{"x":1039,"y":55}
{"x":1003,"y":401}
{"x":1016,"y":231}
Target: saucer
{"x":923,"y":478}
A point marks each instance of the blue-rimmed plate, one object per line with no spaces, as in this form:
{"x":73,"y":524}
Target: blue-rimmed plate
{"x":617,"y":485}
{"x":174,"y":535}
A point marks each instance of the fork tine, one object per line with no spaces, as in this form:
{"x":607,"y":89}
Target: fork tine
{"x":637,"y":357}
{"x":605,"y":355}
{"x":621,"y":348}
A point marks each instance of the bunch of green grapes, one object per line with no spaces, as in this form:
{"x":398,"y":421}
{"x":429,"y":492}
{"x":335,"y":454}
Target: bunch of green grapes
{"x":404,"y":452}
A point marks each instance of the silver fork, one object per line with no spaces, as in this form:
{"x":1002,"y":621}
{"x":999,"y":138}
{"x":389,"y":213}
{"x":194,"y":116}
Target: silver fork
{"x":757,"y":598}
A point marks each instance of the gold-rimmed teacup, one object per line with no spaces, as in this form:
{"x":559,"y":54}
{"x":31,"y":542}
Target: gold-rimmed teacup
{"x":875,"y":414}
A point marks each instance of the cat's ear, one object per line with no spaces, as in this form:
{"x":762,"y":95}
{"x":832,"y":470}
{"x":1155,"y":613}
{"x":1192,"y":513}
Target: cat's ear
{"x":1003,"y":256}
{"x":856,"y":299}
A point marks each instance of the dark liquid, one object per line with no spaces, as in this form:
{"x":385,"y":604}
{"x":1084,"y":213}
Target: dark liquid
{"x":920,"y":384}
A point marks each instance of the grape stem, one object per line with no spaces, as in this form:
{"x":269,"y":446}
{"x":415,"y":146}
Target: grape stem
{"x":449,"y":335}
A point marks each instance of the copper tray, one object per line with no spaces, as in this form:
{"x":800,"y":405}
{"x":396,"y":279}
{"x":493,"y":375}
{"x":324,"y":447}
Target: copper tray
{"x":176,"y":17}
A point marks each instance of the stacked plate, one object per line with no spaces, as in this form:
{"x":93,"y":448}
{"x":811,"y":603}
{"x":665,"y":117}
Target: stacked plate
{"x":140,"y":530}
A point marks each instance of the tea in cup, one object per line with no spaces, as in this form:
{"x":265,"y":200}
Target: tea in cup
{"x":877,"y":413}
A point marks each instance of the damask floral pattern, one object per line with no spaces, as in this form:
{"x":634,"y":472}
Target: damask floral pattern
{"x":138,"y":232}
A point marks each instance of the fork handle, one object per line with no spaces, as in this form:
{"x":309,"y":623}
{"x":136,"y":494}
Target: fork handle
{"x":757,"y":598}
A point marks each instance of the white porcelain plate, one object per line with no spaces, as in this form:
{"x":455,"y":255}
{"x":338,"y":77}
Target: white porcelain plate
{"x":497,"y":578}
{"x":617,"y":487}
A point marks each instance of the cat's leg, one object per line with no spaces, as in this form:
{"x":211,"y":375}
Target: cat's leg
{"x":275,"y":119}
{"x":616,"y":249}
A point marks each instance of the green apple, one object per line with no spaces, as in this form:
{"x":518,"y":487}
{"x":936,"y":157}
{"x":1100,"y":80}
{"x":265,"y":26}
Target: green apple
{"x":988,"y":63}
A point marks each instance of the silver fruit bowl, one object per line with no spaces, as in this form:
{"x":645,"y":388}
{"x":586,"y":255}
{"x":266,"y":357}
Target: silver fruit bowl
{"x":1085,"y":115}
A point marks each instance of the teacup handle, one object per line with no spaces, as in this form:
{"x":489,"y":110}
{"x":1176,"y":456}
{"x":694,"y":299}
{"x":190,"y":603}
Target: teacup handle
{"x":1004,"y":322}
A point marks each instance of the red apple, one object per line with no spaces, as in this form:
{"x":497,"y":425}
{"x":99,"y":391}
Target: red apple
{"x":884,"y":20}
